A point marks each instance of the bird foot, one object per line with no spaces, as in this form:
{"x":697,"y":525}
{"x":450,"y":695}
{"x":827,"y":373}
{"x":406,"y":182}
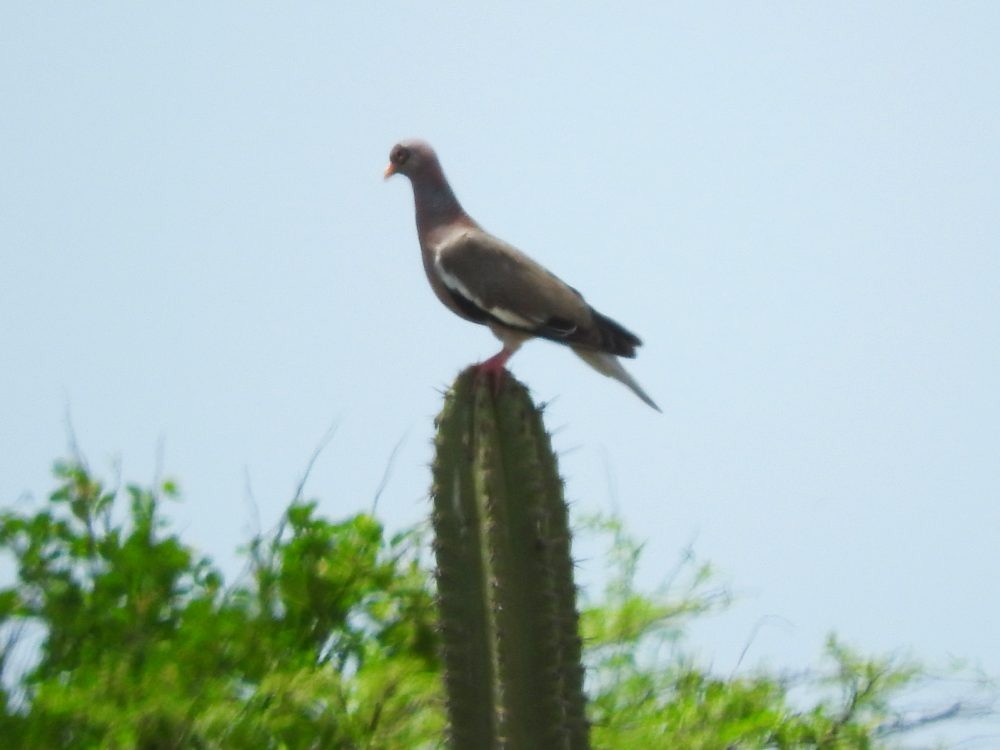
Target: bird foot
{"x":493,"y":369}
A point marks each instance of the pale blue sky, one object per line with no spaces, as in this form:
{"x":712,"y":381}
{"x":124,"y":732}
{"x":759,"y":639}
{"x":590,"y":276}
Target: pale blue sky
{"x":795,"y":205}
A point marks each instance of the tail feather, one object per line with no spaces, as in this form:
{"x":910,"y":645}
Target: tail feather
{"x":608,"y":364}
{"x":614,"y":337}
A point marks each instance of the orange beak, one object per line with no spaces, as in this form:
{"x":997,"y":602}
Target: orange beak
{"x":390,"y":170}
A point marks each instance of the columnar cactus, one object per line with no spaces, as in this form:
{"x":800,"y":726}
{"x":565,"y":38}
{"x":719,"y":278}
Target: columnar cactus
{"x":513,"y":669}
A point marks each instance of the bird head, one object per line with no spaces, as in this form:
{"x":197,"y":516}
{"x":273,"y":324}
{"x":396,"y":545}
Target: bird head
{"x":410,"y":158}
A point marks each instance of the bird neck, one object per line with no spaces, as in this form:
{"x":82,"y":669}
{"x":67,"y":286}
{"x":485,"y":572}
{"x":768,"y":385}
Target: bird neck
{"x":435,"y":202}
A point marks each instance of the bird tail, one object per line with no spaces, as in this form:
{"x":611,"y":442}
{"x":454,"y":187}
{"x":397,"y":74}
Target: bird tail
{"x":608,"y":364}
{"x":614,"y":337}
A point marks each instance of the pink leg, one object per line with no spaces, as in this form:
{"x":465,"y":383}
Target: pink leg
{"x":493,"y":368}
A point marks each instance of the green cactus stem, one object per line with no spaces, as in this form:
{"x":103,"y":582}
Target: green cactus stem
{"x":513,"y":669}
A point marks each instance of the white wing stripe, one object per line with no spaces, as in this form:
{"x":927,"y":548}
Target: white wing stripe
{"x":503,"y":315}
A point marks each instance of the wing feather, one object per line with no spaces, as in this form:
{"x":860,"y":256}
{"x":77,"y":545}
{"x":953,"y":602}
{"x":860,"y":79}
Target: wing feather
{"x":492,"y":281}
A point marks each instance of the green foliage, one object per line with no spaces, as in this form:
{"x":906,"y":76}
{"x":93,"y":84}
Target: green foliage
{"x":329,"y":641}
{"x":643,"y":699}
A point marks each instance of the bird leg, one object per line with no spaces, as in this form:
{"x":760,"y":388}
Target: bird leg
{"x":493,"y":368}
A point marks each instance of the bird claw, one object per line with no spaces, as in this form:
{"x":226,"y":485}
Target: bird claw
{"x":493,"y":369}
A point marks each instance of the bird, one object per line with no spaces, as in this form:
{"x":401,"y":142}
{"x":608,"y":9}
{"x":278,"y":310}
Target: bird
{"x":485,"y":280}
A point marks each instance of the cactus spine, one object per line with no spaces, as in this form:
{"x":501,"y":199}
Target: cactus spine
{"x":513,"y":669}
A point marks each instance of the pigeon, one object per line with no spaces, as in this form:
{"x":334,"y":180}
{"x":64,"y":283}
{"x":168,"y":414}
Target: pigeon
{"x":485,"y":280}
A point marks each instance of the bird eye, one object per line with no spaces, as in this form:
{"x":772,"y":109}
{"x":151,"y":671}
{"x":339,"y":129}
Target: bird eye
{"x":400,"y":155}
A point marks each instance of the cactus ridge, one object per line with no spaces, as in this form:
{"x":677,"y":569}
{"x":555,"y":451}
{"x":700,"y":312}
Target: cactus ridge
{"x":507,"y":602}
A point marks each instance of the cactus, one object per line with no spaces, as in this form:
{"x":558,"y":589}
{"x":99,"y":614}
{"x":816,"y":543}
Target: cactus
{"x":507,"y":603}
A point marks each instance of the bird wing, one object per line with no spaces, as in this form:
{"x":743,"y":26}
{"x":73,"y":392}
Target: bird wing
{"x":494,"y":282}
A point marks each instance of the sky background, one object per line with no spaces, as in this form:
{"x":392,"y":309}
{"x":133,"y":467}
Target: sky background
{"x":795,"y":205}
